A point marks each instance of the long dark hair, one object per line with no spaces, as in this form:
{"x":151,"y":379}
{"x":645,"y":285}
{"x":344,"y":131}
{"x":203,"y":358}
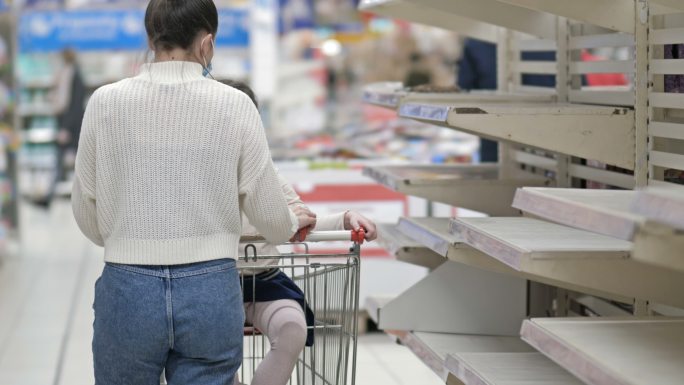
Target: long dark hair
{"x":175,"y":23}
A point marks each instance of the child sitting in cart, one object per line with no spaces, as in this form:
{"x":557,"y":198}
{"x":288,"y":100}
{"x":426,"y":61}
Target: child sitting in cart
{"x":274,"y":304}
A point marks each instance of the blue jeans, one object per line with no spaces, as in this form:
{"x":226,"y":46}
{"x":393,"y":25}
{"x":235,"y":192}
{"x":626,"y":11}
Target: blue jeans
{"x":187,"y":319}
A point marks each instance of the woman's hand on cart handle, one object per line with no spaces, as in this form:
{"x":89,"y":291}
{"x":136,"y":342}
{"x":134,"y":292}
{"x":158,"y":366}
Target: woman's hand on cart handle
{"x":355,"y":221}
{"x":307,"y":221}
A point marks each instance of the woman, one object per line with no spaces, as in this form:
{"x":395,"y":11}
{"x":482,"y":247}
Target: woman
{"x":273,"y":302}
{"x":165,"y":164}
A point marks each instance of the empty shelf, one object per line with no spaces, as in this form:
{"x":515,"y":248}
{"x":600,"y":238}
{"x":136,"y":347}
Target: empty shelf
{"x":520,"y":242}
{"x":405,"y":10}
{"x":661,"y":205}
{"x":406,"y":249}
{"x":479,"y":96}
{"x":391,"y":95}
{"x":589,"y":11}
{"x":475,"y":187}
{"x":434,"y":234}
{"x":434,"y":348}
{"x":606,"y":212}
{"x":599,"y":133}
{"x":571,"y":258}
{"x":627,"y":351}
{"x":473,"y":19}
{"x":508,"y":369}
{"x":455,"y":298}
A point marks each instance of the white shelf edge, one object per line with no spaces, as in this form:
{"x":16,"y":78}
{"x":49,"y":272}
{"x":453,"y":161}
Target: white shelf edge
{"x":591,"y":11}
{"x":469,"y":191}
{"x":435,"y":357}
{"x":579,"y":130}
{"x":429,"y":232}
{"x":608,"y":271}
{"x":579,"y":213}
{"x":406,"y":249}
{"x":582,"y":348}
{"x":508,"y":368}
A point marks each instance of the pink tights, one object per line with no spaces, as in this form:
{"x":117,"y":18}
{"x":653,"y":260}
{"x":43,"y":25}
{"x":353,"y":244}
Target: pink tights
{"x":284,"y":324}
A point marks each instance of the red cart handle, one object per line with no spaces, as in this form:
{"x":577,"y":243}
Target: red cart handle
{"x":358,"y":236}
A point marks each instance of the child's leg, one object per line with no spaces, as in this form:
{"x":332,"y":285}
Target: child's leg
{"x":284,"y":324}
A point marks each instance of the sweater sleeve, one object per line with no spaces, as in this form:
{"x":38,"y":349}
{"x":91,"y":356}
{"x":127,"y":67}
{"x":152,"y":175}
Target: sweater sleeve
{"x":261,"y":194}
{"x":331,"y":222}
{"x":83,"y":199}
{"x":293,"y":199}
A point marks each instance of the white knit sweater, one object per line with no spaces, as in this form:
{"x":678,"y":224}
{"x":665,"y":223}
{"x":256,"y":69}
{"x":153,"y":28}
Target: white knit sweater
{"x":166,"y":162}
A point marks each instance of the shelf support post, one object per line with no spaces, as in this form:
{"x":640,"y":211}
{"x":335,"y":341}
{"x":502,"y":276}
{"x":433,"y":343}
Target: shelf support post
{"x":504,"y":79}
{"x":641,"y":89}
{"x":656,"y":83}
{"x":642,"y":308}
{"x":563,"y":80}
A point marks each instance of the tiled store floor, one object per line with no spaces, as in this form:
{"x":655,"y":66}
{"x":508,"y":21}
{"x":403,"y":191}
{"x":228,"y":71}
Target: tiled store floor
{"x":46,"y":292}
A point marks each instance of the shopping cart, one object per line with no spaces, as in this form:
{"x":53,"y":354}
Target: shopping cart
{"x":330,"y":283}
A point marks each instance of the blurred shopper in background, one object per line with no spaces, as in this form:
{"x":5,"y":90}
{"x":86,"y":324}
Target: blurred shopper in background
{"x":477,"y":71}
{"x":418,"y":74}
{"x":68,"y":100}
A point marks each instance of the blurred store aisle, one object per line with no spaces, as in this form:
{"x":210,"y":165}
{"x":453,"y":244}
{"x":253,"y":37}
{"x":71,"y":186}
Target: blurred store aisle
{"x":46,"y":296}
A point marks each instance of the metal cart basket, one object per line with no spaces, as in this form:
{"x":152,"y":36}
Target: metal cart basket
{"x":330,"y":283}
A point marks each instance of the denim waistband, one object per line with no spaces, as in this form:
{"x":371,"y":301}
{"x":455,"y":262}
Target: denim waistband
{"x":178,"y":271}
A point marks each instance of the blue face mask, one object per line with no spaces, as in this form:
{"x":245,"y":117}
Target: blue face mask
{"x":207,"y":70}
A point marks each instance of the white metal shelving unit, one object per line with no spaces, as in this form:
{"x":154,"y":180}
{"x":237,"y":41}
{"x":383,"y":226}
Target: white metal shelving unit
{"x":477,"y":187}
{"x":627,"y":351}
{"x":601,"y":133}
{"x":435,"y":349}
{"x":434,"y":234}
{"x":391,"y":95}
{"x":431,"y":306}
{"x":406,"y":249}
{"x":571,"y":258}
{"x":607,"y":212}
{"x":666,"y":110}
{"x":495,"y":368}
{"x":607,"y":241}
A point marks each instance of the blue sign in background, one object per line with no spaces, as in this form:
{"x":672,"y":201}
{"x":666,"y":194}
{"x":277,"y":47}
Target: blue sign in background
{"x":296,"y":14}
{"x":49,"y":31}
{"x":233,"y":28}
{"x":46,"y":31}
